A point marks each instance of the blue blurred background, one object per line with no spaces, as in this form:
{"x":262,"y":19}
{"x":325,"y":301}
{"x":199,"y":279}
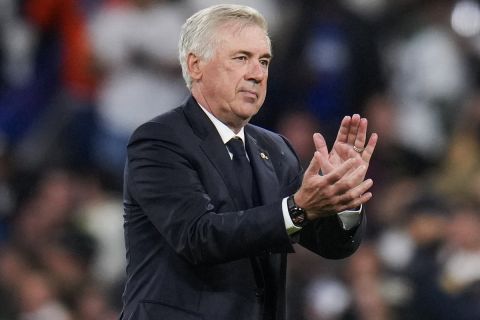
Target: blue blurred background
{"x":77,"y":76}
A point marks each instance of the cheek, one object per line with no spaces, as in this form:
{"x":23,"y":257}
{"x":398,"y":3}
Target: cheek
{"x":263,"y":85}
{"x":229,"y":84}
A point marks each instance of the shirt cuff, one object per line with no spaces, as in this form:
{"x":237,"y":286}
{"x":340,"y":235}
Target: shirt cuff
{"x":289,"y":226}
{"x":350,"y":218}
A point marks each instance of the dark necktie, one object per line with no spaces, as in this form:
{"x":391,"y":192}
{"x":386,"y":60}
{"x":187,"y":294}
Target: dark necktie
{"x":260,"y":264}
{"x":243,"y":171}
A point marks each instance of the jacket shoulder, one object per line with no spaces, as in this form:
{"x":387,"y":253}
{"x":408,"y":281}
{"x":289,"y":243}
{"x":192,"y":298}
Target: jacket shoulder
{"x":159,"y":126}
{"x":269,"y":138}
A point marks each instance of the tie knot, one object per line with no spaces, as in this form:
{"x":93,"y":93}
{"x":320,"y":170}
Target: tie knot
{"x":235,"y":145}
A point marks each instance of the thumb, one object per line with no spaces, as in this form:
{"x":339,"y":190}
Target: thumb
{"x":320,"y":144}
{"x":315,"y":165}
{"x":321,"y":147}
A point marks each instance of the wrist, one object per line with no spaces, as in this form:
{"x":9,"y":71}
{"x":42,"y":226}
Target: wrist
{"x":298,"y":215}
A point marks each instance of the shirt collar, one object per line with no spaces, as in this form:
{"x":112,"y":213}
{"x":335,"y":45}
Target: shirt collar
{"x":223,"y":130}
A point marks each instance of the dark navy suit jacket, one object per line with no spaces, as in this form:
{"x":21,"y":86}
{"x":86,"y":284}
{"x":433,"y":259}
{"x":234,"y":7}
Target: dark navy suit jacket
{"x":189,"y":247}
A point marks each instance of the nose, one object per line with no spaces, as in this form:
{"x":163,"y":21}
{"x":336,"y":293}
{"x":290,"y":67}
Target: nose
{"x":256,"y":71}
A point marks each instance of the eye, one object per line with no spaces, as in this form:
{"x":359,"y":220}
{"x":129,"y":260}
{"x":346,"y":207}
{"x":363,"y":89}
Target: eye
{"x":265,"y":62}
{"x":241,"y":58}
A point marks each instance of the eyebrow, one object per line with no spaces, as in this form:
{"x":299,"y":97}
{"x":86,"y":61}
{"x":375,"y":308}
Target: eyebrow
{"x":248,"y":53}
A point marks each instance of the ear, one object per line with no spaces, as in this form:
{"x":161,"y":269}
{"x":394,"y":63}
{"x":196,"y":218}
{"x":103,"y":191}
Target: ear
{"x":194,"y":67}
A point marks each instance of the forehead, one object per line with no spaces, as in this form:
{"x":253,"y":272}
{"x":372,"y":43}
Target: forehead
{"x":241,"y":36}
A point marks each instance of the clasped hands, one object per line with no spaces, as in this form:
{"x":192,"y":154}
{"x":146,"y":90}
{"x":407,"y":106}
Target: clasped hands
{"x":335,"y":181}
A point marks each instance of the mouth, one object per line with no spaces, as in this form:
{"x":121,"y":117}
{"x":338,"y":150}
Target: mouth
{"x":250,"y":93}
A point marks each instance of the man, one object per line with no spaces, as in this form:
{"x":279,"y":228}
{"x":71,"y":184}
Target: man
{"x":207,"y":227}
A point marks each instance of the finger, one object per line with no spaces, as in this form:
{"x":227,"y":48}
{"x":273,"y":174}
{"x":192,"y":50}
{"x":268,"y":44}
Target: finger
{"x":360,"y":189}
{"x":351,"y":198}
{"x":351,"y":179}
{"x":367,"y":153}
{"x":352,"y":133}
{"x":315,"y":165}
{"x":361,"y":134}
{"x":321,"y":147}
{"x":339,"y":172}
{"x":357,"y":202}
{"x":342,"y":135}
{"x":320,"y":144}
{"x":357,"y":173}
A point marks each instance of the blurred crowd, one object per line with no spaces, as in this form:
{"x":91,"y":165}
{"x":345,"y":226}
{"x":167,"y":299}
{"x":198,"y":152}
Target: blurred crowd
{"x":77,"y":76}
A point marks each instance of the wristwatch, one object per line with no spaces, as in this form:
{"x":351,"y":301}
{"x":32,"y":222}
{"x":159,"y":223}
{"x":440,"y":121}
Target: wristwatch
{"x":297,"y":214}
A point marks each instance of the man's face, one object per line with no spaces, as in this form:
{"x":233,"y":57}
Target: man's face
{"x":233,"y":82}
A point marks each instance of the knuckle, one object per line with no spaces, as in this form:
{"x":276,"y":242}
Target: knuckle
{"x":336,"y":176}
{"x":328,"y":193}
{"x":336,"y":201}
{"x":345,"y":186}
{"x":350,"y":184}
{"x":350,"y":195}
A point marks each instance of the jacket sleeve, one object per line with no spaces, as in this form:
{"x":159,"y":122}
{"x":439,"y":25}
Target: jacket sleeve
{"x":163,"y":181}
{"x":327,"y":237}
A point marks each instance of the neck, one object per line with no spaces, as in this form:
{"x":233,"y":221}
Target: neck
{"x":228,"y":119}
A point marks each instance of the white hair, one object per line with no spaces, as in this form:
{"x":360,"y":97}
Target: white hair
{"x":198,"y":34}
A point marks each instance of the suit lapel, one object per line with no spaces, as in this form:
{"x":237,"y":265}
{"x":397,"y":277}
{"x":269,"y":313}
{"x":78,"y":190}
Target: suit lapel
{"x":267,"y":181}
{"x":263,"y":170}
{"x":213,"y":147}
{"x":218,"y":156}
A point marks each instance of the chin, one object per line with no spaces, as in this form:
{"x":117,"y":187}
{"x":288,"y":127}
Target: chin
{"x":249,"y":114}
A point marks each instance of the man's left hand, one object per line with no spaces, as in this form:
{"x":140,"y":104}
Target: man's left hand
{"x":349,"y":144}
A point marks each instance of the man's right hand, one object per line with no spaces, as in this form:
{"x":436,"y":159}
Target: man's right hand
{"x":341,"y":189}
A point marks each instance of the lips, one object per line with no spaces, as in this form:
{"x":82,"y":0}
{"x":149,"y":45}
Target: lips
{"x":250,"y":92}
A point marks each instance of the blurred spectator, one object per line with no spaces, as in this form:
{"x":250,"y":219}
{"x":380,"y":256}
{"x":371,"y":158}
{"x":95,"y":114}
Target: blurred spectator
{"x":46,"y":213}
{"x":394,"y":160}
{"x":366,"y":276}
{"x":17,"y":74}
{"x":60,"y":85}
{"x":460,"y":275}
{"x":13,"y":267}
{"x":99,"y":215}
{"x":274,"y":11}
{"x":329,"y":64}
{"x":92,"y":304}
{"x":37,"y":299}
{"x":16,"y":41}
{"x":395,"y":169}
{"x":428,"y":77}
{"x":135,"y":48}
{"x":7,"y":192}
{"x":67,"y":19}
{"x":426,"y":221}
{"x":313,"y":283}
{"x":299,"y":126}
{"x":327,"y":298}
{"x":458,"y":176}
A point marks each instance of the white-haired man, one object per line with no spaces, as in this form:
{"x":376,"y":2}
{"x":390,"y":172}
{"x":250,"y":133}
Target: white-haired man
{"x":213,"y":204}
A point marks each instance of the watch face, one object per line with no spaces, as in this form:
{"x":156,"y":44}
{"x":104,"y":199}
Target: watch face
{"x":298,"y":219}
{"x":296,"y":214}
